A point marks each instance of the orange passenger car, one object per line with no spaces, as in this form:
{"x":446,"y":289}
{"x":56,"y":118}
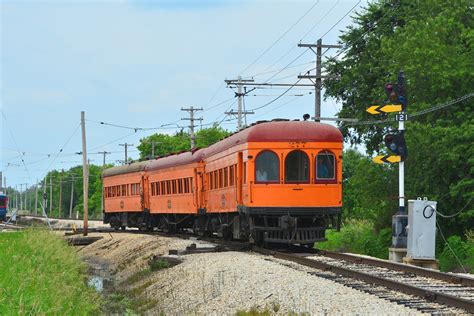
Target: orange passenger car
{"x":278,"y":181}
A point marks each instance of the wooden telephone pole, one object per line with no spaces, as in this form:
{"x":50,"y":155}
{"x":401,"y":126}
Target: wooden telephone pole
{"x":85,"y":173}
{"x":318,"y":77}
{"x":191,"y":120}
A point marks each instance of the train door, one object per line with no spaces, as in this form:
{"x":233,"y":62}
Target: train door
{"x":144,"y":193}
{"x":240,"y":172}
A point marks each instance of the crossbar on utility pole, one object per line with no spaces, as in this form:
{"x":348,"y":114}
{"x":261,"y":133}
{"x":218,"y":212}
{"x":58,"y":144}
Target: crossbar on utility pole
{"x":239,"y":82}
{"x":318,"y":77}
{"x":126,"y":151}
{"x":191,"y":120}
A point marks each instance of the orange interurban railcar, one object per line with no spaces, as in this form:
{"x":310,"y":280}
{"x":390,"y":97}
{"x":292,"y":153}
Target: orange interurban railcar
{"x":273,"y":182}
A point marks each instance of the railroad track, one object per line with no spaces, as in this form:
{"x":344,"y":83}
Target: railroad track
{"x":427,"y":291}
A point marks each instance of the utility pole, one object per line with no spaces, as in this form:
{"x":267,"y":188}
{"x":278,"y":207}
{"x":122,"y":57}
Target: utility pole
{"x":16,"y":197}
{"x":85,"y":172}
{"x":72,"y":198}
{"x":36,"y":197}
{"x":51,"y":194}
{"x":318,"y":77}
{"x":104,"y":153}
{"x":191,"y":120}
{"x":126,"y":147}
{"x":26,"y":197}
{"x":240,"y":98}
{"x":60,"y":192}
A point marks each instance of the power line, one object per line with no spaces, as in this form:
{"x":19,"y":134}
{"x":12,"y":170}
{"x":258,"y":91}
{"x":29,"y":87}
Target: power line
{"x":65,"y":144}
{"x":341,"y":19}
{"x":16,"y":144}
{"x":280,"y":37}
{"x":311,"y":29}
{"x":278,"y":97}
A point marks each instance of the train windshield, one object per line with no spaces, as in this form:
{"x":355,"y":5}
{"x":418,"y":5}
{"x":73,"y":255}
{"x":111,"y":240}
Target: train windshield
{"x":297,"y":167}
{"x":325,"y":166}
{"x":267,"y":167}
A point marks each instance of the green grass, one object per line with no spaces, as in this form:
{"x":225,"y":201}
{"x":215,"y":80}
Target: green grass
{"x":40,"y":274}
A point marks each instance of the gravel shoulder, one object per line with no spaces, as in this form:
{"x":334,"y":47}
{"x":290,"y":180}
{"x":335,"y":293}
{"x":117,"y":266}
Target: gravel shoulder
{"x":227,"y":282}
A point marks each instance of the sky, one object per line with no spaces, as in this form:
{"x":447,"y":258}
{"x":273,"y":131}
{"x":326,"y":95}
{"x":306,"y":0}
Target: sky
{"x":137,"y":63}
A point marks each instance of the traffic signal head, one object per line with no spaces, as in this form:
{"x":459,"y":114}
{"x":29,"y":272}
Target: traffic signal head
{"x":396,"y":144}
{"x":396,"y":94}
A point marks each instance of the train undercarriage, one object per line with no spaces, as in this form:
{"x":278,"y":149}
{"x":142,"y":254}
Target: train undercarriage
{"x":259,"y":226}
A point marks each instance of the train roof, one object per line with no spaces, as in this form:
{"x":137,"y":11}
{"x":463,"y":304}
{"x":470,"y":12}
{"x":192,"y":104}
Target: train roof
{"x":176,"y":160}
{"x":279,"y":131}
{"x":128,"y":168}
{"x":272,"y":131}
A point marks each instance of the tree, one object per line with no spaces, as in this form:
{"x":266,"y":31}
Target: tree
{"x":432,"y":42}
{"x":166,"y":144}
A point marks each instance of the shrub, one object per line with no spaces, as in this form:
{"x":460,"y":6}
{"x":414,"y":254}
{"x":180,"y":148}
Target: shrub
{"x":464,"y":251}
{"x":359,"y":236}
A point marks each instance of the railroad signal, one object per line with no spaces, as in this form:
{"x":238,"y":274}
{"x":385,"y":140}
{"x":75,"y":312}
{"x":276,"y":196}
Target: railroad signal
{"x":396,"y":144}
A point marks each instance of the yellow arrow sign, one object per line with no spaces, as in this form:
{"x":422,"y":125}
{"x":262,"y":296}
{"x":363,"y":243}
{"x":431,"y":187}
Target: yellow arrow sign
{"x":387,"y":159}
{"x":373,"y":109}
{"x":387,"y":108}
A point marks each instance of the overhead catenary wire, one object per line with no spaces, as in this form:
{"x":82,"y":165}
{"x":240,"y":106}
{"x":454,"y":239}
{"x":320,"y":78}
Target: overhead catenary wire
{"x":278,"y":97}
{"x":294,"y":46}
{"x":280,"y":37}
{"x":64,"y":146}
{"x":16,"y":145}
{"x":342,"y":18}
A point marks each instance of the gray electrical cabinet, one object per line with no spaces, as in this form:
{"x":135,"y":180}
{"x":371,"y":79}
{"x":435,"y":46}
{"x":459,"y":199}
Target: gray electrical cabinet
{"x":421,"y":229}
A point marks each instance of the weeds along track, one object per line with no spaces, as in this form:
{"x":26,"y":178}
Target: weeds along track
{"x":426,"y":290}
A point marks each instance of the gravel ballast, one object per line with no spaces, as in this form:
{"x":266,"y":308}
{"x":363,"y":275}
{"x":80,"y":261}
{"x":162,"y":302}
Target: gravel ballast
{"x":227,"y":282}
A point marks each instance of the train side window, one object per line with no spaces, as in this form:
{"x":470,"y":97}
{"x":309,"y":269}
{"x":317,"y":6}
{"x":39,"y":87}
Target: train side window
{"x":209,"y":180}
{"x":297,"y":167}
{"x":325,"y":166}
{"x":190,"y":185}
{"x":215,"y":179}
{"x":124,"y":190}
{"x":153,"y":193}
{"x":226,"y":177}
{"x":231,"y":175}
{"x":267,"y":167}
{"x":163,"y":187}
{"x":180,"y":186}
{"x":244,"y":172}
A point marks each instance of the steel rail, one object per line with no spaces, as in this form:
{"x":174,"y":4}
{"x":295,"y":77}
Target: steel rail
{"x":393,"y":285}
{"x":455,"y":279}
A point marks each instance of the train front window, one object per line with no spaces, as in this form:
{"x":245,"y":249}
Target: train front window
{"x":267,"y":167}
{"x":325,"y":166}
{"x":3,"y":202}
{"x":297,"y":167}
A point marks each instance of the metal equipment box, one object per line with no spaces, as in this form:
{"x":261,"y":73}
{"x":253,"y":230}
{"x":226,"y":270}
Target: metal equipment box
{"x":421,"y":229}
